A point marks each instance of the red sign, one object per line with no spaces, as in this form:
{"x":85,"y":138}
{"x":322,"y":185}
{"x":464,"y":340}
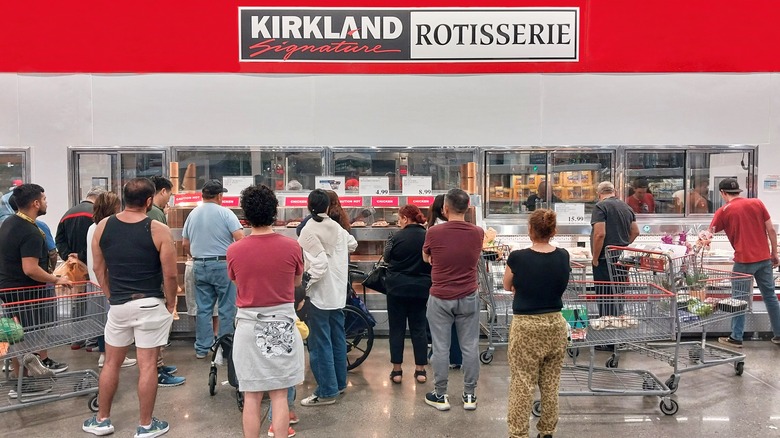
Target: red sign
{"x":186,"y":198}
{"x":231,"y":201}
{"x":296,"y":202}
{"x":158,"y":37}
{"x":384,"y":201}
{"x":351,"y":201}
{"x":420,"y":201}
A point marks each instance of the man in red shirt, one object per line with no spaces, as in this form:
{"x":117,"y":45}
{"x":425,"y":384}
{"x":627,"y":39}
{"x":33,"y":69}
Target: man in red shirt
{"x":747,"y":225}
{"x":453,"y":249}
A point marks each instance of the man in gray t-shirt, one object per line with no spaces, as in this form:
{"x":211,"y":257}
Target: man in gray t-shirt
{"x":208,"y":231}
{"x":614,"y":223}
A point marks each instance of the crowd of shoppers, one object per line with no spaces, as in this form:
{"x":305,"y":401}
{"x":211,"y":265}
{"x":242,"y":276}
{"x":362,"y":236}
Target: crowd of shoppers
{"x":431,"y":287}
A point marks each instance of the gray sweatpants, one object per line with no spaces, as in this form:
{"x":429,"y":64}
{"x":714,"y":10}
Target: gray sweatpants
{"x":464,"y":312}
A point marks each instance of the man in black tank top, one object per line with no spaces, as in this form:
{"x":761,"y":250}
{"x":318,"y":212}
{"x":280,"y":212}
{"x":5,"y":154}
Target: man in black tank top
{"x":133,"y":255}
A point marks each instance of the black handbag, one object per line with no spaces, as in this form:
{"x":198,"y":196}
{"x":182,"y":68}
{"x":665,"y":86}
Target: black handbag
{"x":376,"y":278}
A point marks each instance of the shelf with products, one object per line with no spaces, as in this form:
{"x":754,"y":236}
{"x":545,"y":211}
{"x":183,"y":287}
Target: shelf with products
{"x":374,"y":219}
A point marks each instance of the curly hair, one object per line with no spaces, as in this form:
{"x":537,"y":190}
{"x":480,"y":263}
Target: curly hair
{"x":106,"y":204}
{"x":542,"y":224}
{"x":413,"y":213}
{"x":260,"y":205}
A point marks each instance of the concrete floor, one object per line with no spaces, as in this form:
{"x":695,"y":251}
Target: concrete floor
{"x":713,"y":402}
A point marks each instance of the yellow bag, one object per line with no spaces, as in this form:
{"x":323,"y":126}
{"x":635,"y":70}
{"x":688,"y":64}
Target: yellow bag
{"x":303,"y":328}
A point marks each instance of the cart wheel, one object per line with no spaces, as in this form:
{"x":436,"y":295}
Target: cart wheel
{"x":485,"y":357}
{"x":536,"y":409}
{"x":573,"y":352}
{"x":612,"y":362}
{"x":93,"y":403}
{"x":212,"y":382}
{"x":671,"y":409}
{"x":240,"y":400}
{"x":739,"y":368}
{"x":671,"y":382}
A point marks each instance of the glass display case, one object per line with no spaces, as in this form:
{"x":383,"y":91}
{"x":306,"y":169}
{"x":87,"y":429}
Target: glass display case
{"x":14,"y":168}
{"x":517,"y":181}
{"x":112,"y":168}
{"x":662,"y":174}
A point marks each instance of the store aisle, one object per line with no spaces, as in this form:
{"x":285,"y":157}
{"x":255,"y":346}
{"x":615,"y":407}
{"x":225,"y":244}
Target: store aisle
{"x":713,"y":402}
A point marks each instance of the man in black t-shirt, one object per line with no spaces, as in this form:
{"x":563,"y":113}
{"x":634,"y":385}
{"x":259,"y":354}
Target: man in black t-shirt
{"x":24,"y":260}
{"x":614,"y":223}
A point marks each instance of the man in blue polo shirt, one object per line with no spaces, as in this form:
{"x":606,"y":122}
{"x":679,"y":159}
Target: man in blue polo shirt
{"x":208,"y":231}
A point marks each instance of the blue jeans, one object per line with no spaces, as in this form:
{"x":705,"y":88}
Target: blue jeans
{"x":762,"y":271}
{"x":327,"y":351}
{"x":213,"y":287}
{"x":291,"y":392}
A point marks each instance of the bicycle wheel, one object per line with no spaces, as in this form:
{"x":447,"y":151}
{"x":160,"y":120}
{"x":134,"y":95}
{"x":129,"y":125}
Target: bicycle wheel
{"x":360,"y":336}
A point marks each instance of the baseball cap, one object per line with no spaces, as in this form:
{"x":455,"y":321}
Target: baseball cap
{"x":729,"y":185}
{"x":213,"y":187}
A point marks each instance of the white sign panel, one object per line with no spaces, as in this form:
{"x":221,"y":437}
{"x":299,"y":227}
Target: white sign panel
{"x":570,"y":213}
{"x":543,"y":34}
{"x":417,"y":186}
{"x":234,"y":184}
{"x":374,"y":185}
{"x":335,"y":183}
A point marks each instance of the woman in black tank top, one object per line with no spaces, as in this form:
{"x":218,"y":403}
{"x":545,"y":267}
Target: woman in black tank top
{"x":538,"y":277}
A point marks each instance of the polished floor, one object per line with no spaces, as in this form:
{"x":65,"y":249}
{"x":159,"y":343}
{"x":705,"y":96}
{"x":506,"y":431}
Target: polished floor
{"x":712,"y":402}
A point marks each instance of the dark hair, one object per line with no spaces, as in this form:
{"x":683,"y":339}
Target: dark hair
{"x":12,"y":203}
{"x":160,"y":183}
{"x":336,"y":212}
{"x":435,"y":211}
{"x":318,"y":203}
{"x":640,"y":183}
{"x":26,"y":194}
{"x":137,"y":191}
{"x":260,"y":205}
{"x":457,"y":200}
{"x":413,"y":213}
{"x":106,"y":204}
{"x":542,"y":224}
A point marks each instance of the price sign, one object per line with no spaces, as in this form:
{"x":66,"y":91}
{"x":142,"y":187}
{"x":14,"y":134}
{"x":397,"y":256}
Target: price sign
{"x":335,"y":183}
{"x":417,"y":185}
{"x":570,"y":213}
{"x":374,"y":185}
{"x":234,"y":184}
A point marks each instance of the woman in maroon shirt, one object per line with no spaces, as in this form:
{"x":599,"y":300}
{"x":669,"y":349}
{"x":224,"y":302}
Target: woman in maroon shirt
{"x":266,"y":268}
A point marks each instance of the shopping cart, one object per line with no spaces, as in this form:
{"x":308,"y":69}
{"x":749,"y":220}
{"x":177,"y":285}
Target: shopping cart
{"x":702,"y":296}
{"x":497,"y":300}
{"x":42,"y":317}
{"x":644,"y":313}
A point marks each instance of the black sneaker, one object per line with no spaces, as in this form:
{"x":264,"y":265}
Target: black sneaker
{"x":539,"y":435}
{"x":469,"y":402}
{"x":440,"y":402}
{"x":56,"y":367}
{"x":730,"y":342}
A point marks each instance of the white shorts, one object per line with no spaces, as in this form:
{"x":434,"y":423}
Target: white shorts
{"x":145,"y":321}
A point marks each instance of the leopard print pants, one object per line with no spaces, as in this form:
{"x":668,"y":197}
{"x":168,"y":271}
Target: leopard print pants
{"x":537,"y":346}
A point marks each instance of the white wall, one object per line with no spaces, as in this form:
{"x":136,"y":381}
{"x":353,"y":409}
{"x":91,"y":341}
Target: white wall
{"x":51,"y":112}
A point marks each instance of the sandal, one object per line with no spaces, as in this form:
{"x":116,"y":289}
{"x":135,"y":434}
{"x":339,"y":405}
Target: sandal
{"x":421,"y":376}
{"x":394,"y":374}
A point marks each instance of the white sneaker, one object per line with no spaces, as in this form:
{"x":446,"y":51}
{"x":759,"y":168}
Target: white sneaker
{"x":314,"y":400}
{"x":125,"y":364}
{"x":34,"y":366}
